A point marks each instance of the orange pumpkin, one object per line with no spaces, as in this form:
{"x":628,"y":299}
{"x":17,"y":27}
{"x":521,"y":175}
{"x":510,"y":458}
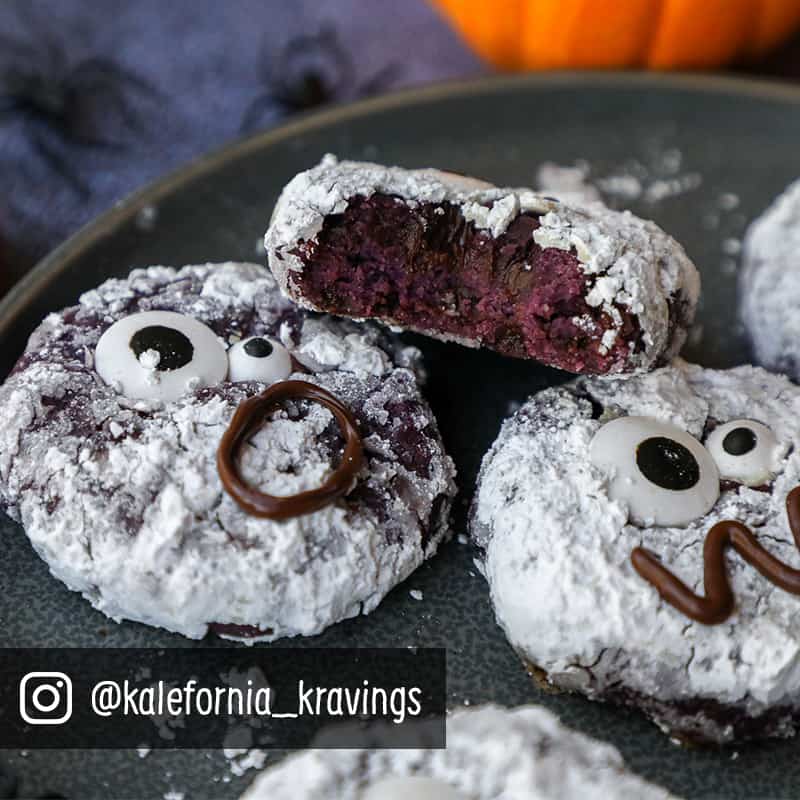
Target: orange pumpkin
{"x":662,"y":34}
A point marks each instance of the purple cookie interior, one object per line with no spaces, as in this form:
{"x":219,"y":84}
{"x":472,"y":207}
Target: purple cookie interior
{"x":428,"y":269}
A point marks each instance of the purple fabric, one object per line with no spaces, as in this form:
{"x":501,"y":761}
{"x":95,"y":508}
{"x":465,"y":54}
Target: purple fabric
{"x":189,"y":73}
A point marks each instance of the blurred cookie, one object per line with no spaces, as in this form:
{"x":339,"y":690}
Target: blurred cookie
{"x":769,"y":284}
{"x":491,"y":753}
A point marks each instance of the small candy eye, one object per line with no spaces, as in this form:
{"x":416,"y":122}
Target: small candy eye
{"x":160,"y":355}
{"x":663,"y":474}
{"x":745,"y":451}
{"x":259,"y":359}
{"x":415,"y":787}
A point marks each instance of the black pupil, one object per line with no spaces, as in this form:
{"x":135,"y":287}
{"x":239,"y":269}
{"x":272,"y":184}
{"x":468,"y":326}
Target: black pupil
{"x":667,"y":463}
{"x":173,"y":346}
{"x":258,"y":348}
{"x":739,"y":441}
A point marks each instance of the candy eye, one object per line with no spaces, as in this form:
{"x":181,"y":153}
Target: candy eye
{"x":259,"y":359}
{"x":663,"y":474}
{"x":406,"y":787}
{"x":160,"y":355}
{"x":745,"y":451}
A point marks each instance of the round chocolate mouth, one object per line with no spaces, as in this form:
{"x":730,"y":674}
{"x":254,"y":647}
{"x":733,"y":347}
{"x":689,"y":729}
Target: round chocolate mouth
{"x":249,"y":417}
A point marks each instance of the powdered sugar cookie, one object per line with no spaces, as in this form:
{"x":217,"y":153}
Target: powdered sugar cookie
{"x":640,"y":543}
{"x":189,"y":450}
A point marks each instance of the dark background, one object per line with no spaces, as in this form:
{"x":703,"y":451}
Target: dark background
{"x":97,"y":99}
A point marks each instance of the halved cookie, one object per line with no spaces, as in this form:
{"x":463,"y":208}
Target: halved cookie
{"x":586,"y":289}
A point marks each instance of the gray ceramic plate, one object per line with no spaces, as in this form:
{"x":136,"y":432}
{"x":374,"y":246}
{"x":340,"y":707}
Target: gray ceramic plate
{"x":702,"y":156}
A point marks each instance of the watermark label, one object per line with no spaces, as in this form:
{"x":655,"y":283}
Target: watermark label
{"x":222,"y":697}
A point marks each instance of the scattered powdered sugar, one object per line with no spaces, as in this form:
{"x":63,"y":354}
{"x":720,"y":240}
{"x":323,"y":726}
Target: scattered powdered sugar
{"x":731,"y":246}
{"x":491,"y":752}
{"x":656,"y":177}
{"x":673,"y":187}
{"x":558,"y":550}
{"x":728,"y":201}
{"x":626,"y":187}
{"x":569,"y":184}
{"x":146,"y":218}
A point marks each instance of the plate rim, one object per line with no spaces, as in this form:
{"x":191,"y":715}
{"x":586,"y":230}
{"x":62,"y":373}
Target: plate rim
{"x":47,"y":269}
{"x":53,"y":266}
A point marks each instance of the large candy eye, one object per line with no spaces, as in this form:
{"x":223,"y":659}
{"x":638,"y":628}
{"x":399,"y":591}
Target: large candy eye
{"x":259,"y":359}
{"x":663,"y":475}
{"x":160,"y":355}
{"x":414,"y":787}
{"x":745,"y":451}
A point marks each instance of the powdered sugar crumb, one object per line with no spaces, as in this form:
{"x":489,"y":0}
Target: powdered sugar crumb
{"x":243,"y":760}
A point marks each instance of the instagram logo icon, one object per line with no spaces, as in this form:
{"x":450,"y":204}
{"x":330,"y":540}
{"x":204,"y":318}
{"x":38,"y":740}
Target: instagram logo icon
{"x":45,"y":698}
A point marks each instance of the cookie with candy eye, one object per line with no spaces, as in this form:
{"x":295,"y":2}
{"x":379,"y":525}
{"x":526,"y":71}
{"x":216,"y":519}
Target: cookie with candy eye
{"x":575,"y":286}
{"x":190,"y":450}
{"x":641,"y":543}
{"x":491,"y":753}
{"x":768,"y":285}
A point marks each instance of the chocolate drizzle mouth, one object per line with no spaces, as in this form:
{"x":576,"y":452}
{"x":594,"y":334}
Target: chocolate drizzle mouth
{"x":249,"y":417}
{"x":717,"y":605}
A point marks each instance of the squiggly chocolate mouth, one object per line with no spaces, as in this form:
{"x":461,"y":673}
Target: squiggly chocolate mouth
{"x":717,"y":604}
